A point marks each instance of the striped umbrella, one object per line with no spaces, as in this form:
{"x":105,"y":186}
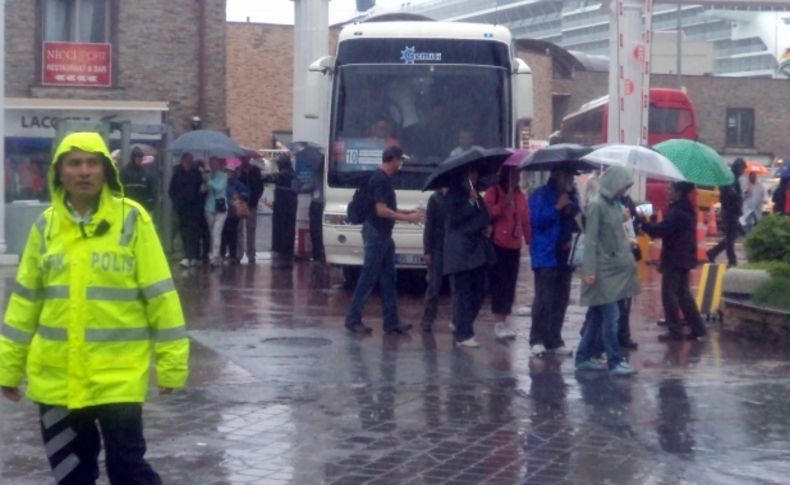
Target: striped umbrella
{"x":699,"y":163}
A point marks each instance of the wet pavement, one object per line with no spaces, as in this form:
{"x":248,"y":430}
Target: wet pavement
{"x":280,"y":393}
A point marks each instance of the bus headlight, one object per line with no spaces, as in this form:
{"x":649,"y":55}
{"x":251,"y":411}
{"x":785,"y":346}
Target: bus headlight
{"x":335,"y":220}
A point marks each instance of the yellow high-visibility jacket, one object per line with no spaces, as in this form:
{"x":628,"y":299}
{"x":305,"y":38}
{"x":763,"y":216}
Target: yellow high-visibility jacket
{"x":92,"y":301}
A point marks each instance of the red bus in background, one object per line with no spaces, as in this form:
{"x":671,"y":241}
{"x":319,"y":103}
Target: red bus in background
{"x":672,"y":115}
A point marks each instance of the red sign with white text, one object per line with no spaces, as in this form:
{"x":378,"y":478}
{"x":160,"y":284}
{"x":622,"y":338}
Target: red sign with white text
{"x":76,"y":64}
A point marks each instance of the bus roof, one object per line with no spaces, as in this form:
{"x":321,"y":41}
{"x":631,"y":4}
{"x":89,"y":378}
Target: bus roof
{"x":422,"y":30}
{"x":656,"y":94}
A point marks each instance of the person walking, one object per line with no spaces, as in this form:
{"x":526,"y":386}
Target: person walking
{"x":609,"y":272}
{"x":553,"y":212}
{"x":753,"y":200}
{"x":250,"y":175}
{"x":216,"y":206}
{"x":467,"y":253}
{"x":138,"y":184}
{"x":511,"y":230}
{"x":184,"y":191}
{"x":678,"y":258}
{"x":731,"y":207}
{"x":94,"y":302}
{"x":283,"y":212}
{"x":379,"y":264}
{"x":433,"y":255}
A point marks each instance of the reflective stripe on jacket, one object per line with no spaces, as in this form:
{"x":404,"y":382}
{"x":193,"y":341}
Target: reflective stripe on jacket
{"x":91,"y":303}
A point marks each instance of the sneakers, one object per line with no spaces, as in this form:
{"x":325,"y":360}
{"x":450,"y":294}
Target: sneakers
{"x":537,"y":349}
{"x":622,"y":369}
{"x":470,"y":343}
{"x":502,"y":332}
{"x":591,"y":364}
{"x":184,"y":263}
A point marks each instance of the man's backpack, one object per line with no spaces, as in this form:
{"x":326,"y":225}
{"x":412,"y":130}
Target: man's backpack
{"x":361,"y":205}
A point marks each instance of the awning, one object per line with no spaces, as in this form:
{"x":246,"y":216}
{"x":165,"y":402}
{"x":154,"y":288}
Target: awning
{"x":84,"y":104}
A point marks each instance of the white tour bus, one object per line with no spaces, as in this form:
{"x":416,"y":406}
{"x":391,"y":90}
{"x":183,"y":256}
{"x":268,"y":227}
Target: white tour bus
{"x":421,"y":85}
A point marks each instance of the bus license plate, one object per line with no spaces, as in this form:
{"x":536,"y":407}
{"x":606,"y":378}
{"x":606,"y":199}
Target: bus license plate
{"x":413,"y":259}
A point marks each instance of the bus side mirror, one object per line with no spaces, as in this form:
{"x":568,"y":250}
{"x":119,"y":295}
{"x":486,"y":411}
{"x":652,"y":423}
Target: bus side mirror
{"x":323,"y":65}
{"x":315,"y":87}
{"x":523,"y":94}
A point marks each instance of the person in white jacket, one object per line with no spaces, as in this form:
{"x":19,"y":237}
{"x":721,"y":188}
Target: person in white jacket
{"x":753,"y":199}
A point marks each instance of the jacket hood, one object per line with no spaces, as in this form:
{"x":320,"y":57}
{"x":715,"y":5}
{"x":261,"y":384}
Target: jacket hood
{"x":614,"y":180}
{"x":87,"y":142}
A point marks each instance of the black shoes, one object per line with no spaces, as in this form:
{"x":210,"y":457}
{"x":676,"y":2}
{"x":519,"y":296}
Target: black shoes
{"x":359,"y":328}
{"x":399,"y":329}
{"x":630,"y":345}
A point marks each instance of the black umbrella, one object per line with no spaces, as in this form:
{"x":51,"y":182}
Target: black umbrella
{"x":563,"y":156}
{"x":487,"y":161}
{"x":310,"y":153}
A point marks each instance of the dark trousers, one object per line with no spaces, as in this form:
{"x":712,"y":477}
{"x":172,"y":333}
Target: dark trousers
{"x":189,"y":227}
{"x":378,"y":268}
{"x":502,"y":277}
{"x":204,"y":238}
{"x":676,"y":295}
{"x":624,"y":323}
{"x":552,"y":295}
{"x":434,"y":278}
{"x":316,"y":229}
{"x":230,"y":238}
{"x":469,"y":291}
{"x":732,"y":230}
{"x":72,"y":444}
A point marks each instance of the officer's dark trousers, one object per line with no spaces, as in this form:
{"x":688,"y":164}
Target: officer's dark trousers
{"x":72,"y":444}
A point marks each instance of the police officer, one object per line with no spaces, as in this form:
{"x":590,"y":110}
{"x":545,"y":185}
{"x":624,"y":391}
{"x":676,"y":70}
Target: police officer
{"x":93,"y":298}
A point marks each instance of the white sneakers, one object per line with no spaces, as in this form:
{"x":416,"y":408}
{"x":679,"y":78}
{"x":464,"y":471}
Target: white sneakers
{"x":470,"y":343}
{"x":537,"y":349}
{"x":184,"y":263}
{"x":502,"y":332}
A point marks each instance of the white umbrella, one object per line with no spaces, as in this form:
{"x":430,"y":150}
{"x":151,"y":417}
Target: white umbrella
{"x":640,"y":159}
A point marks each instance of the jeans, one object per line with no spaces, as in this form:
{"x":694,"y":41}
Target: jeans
{"x":378,"y":268}
{"x":435,"y":279}
{"x":676,"y":295}
{"x":731,"y":231}
{"x":215,"y":221}
{"x":552,"y":295}
{"x":469,"y":291}
{"x":603,"y":322}
{"x":73,"y":444}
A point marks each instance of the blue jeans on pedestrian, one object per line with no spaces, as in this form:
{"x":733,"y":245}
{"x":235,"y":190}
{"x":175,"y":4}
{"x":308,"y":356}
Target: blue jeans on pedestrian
{"x":378,"y":267}
{"x":604,"y":322}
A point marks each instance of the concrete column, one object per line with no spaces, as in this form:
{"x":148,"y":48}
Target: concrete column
{"x":311,"y":41}
{"x":629,"y":76}
{"x":2,"y":127}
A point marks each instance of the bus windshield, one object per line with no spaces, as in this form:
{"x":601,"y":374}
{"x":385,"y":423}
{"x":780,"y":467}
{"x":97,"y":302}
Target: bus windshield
{"x":430,"y":111}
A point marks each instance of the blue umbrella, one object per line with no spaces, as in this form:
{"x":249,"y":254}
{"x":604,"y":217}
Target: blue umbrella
{"x":206,"y":143}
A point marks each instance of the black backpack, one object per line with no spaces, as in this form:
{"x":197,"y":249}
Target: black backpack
{"x":361,"y":205}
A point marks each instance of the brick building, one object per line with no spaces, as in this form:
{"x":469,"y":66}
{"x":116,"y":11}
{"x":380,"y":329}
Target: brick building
{"x":260,"y":77}
{"x":260,"y":81}
{"x":145,"y":61}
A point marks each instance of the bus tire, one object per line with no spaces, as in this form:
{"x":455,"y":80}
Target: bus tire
{"x":350,"y":276}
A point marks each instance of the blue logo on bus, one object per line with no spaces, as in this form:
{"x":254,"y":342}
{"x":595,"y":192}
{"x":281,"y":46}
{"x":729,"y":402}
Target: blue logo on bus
{"x":409,"y":55}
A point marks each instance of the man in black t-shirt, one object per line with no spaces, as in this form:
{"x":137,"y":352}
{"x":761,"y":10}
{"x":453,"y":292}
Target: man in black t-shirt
{"x":379,"y":264}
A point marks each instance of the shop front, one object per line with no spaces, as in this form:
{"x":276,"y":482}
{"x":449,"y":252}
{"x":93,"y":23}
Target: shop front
{"x":30,"y":132}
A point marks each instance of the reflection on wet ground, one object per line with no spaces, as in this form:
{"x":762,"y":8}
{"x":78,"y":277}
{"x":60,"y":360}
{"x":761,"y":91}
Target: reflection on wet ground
{"x":281,"y":394}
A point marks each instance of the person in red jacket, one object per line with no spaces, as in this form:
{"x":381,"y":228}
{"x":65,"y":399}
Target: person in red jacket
{"x":509,"y":212}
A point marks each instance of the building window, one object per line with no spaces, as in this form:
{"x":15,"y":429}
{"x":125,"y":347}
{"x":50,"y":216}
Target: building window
{"x":740,"y":127}
{"x":77,"y":21}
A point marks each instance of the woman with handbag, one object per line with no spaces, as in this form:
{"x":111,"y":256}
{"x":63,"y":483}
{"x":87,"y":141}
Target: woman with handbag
{"x":216,"y":206}
{"x":467,"y":253}
{"x":509,"y":212}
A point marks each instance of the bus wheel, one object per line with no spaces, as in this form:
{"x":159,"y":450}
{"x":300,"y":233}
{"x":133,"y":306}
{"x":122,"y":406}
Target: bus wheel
{"x":350,"y":276}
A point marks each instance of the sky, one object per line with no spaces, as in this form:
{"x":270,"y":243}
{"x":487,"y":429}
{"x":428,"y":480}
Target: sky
{"x":282,"y":11}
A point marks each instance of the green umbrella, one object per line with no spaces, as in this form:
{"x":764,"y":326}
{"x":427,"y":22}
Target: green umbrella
{"x":699,"y":163}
